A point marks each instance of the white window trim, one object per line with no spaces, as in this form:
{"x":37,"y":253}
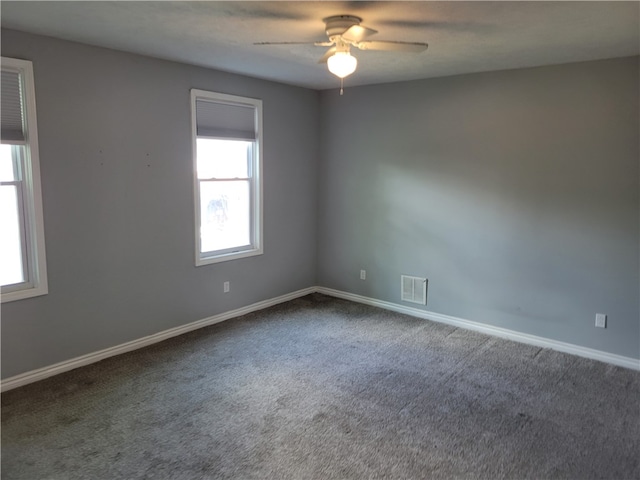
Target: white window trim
{"x":256,"y":184}
{"x":32,"y":196}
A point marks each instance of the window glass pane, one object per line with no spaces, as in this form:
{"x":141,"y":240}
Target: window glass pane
{"x":7,"y":170}
{"x":11,"y":269}
{"x":222,"y":158}
{"x":225,"y":218}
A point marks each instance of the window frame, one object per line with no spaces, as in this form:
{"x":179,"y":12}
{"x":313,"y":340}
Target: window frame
{"x":29,"y":186}
{"x":255,"y":246}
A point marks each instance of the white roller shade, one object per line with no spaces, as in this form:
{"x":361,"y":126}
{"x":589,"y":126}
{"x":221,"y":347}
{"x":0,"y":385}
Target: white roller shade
{"x":12,"y":128}
{"x":221,"y":120}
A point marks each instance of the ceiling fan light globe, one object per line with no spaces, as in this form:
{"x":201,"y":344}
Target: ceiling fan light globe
{"x":342,"y":64}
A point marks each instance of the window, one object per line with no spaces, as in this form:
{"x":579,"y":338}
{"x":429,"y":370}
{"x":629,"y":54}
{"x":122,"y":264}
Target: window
{"x":22,"y":256}
{"x":227,"y":182}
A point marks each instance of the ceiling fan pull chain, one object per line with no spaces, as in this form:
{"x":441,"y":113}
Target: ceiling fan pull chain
{"x":341,"y":86}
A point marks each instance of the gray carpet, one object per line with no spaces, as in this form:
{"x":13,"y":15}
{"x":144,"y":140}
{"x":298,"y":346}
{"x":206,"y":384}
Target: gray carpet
{"x":328,"y":389}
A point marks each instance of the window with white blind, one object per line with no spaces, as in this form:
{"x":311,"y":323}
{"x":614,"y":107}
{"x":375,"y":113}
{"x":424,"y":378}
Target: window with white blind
{"x":22,"y":254}
{"x":227,"y":176}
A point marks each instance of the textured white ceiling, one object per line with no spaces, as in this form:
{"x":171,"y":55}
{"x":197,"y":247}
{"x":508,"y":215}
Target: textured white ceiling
{"x":463,"y":37}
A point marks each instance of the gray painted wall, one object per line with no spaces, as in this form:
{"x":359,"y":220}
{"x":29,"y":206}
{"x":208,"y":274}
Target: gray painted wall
{"x":516,"y":193}
{"x":115,"y":154}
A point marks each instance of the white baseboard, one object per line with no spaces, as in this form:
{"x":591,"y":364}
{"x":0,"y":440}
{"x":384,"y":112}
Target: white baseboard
{"x":65,"y":366}
{"x":45,"y":372}
{"x":591,"y":353}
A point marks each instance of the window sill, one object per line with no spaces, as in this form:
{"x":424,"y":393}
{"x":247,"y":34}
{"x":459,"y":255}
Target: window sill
{"x":225,"y":257}
{"x":24,"y":293}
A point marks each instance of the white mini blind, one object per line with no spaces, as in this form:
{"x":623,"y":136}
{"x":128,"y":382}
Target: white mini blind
{"x":225,"y":120}
{"x":12,"y":116}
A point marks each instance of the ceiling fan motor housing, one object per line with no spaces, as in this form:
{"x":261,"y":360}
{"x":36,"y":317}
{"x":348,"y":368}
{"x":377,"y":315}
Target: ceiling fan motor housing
{"x":337,"y":25}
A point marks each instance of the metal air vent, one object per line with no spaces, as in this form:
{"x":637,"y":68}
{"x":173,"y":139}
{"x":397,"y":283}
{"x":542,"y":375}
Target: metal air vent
{"x":413,"y":289}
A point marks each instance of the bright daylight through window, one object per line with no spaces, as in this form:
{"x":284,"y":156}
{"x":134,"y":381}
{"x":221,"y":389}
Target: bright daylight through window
{"x":22,"y":255}
{"x":228,"y":200}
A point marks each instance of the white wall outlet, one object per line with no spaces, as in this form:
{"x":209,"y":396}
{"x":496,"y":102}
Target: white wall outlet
{"x":601,"y":320}
{"x":226,"y":287}
{"x":363,"y":274}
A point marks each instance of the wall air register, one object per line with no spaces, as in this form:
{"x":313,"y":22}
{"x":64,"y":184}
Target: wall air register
{"x":413,"y":289}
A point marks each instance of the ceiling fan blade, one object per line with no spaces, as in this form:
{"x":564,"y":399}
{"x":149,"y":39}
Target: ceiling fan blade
{"x":327,"y":54}
{"x":357,"y":33}
{"x":287,"y":43}
{"x":388,"y":46}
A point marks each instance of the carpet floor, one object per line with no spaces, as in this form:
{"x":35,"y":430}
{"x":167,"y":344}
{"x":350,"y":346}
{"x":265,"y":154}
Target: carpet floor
{"x":322,"y":388}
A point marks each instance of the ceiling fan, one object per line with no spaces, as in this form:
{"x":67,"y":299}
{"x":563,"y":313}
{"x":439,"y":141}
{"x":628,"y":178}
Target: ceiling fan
{"x":344,"y":32}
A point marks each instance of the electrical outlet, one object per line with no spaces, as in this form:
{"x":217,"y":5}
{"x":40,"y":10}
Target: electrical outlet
{"x":363,"y":274}
{"x":226,"y":287}
{"x":601,"y":320}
